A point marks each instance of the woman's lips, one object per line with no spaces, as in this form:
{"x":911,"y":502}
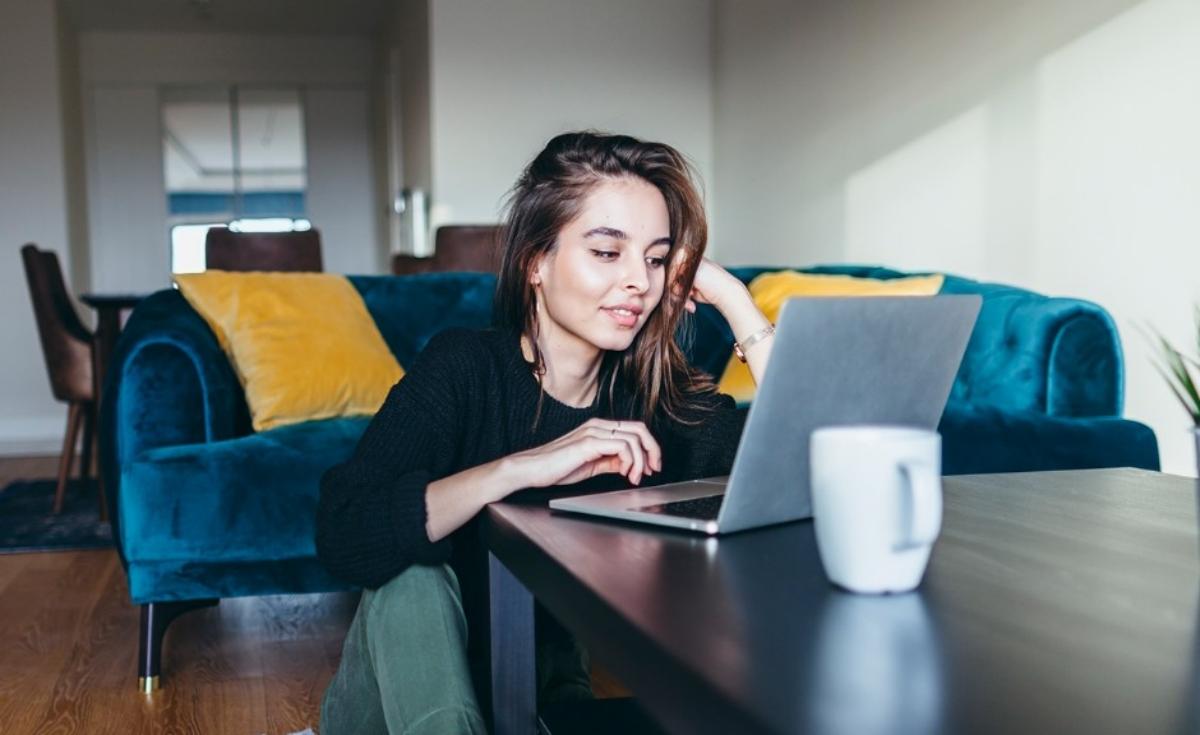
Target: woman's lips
{"x":622,"y":317}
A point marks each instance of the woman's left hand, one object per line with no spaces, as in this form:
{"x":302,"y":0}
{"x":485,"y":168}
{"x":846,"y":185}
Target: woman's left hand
{"x":714,"y":285}
{"x":717,"y":286}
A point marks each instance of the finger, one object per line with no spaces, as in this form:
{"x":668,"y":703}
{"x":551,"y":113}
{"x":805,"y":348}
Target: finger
{"x":637,"y":466}
{"x":629,"y":432}
{"x":646,"y":440}
{"x":690,"y":306}
{"x":604,"y":465}
{"x":623,"y":461}
{"x":598,"y":448}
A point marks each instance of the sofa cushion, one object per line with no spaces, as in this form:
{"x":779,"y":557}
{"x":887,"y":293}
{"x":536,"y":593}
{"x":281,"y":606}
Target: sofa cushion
{"x":253,"y":498}
{"x":771,"y":290}
{"x":303,"y":344}
{"x":410,"y":309}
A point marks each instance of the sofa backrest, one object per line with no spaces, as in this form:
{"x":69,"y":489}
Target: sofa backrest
{"x":409,"y":310}
{"x":1028,"y":352}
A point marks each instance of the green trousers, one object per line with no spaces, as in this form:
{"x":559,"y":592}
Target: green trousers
{"x":404,"y":663}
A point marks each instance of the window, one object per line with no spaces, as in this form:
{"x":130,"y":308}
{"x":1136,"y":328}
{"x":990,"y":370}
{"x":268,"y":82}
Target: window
{"x":231,"y":157}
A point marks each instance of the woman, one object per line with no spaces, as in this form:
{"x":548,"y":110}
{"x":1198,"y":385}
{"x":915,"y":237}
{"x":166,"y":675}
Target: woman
{"x":579,"y":382}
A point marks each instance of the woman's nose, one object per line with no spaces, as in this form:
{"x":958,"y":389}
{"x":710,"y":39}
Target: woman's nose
{"x":636,"y":278}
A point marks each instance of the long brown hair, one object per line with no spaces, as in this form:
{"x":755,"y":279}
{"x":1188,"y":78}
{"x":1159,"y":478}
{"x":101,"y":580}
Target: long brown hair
{"x":549,"y":195}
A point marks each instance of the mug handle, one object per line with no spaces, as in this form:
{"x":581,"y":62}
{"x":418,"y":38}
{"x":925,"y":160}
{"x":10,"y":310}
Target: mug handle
{"x":923,"y":493}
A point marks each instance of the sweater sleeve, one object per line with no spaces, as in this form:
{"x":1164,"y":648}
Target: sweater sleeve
{"x":371,"y":515}
{"x":707,"y":449}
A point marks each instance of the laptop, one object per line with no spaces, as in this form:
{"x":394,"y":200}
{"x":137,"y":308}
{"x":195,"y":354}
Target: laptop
{"x":835,"y":361}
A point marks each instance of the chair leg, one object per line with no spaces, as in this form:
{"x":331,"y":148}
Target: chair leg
{"x":156,"y":616}
{"x":91,"y":455}
{"x":68,"y":455}
{"x":89,"y":441}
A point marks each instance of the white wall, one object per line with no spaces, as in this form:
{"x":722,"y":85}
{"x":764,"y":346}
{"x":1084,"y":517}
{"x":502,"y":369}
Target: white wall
{"x":128,"y":216}
{"x":33,"y":208}
{"x":341,"y":187}
{"x":510,"y":74}
{"x":412,"y":41}
{"x":112,"y":57}
{"x":71,"y":95}
{"x":1049,"y":144}
{"x":402,"y":119}
{"x":123,"y":74}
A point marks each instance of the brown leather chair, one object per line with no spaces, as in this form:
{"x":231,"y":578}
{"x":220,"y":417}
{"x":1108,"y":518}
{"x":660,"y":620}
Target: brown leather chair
{"x":457,"y":248}
{"x":225,"y":250}
{"x":67,"y":347}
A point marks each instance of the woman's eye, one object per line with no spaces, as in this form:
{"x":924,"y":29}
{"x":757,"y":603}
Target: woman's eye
{"x":656,"y":262}
{"x":605,"y":254}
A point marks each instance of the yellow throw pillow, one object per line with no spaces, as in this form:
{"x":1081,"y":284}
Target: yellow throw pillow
{"x":303,"y":344}
{"x":771,"y":290}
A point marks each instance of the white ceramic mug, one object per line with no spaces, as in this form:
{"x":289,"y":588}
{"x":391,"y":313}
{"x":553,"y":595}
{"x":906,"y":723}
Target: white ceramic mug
{"x":877,"y":504}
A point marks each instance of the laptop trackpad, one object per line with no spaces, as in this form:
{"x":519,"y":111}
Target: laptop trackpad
{"x":705,"y":508}
{"x":699,"y":499}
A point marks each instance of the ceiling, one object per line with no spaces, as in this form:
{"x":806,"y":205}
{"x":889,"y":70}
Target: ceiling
{"x":298,"y":17}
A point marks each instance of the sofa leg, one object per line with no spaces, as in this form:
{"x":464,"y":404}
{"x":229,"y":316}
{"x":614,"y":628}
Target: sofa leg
{"x":156,"y":616}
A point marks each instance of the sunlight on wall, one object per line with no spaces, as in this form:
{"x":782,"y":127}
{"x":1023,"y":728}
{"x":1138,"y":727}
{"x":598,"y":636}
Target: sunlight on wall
{"x":1119,"y":181}
{"x":923,"y":207}
{"x":1079,"y":176}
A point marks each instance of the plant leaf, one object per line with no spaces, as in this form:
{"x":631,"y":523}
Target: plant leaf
{"x":1182,"y":378}
{"x":1178,"y":395}
{"x":1185,"y":379}
{"x":1176,"y":368}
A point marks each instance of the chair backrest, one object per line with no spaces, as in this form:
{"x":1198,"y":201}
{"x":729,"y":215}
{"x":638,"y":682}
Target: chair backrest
{"x":262,"y":251}
{"x":469,"y":247}
{"x":472,"y":248}
{"x":66,"y":342}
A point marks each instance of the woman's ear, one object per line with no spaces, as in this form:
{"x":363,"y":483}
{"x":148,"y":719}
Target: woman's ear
{"x":535,"y":276}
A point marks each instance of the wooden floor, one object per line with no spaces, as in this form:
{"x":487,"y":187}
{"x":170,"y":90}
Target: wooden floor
{"x":68,"y":651}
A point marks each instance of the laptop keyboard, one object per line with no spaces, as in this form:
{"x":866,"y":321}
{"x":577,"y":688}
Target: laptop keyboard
{"x":704,"y":509}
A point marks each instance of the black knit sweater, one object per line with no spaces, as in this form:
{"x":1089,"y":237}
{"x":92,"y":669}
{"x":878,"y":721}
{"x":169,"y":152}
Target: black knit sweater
{"x":470,"y":398}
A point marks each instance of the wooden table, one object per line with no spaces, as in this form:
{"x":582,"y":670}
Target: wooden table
{"x":1054,"y":602}
{"x":109,"y":309}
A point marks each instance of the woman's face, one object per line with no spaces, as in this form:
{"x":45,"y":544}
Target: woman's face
{"x":606,"y":275}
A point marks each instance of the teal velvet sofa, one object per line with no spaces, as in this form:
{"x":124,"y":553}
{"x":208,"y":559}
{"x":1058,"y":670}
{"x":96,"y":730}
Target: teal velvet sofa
{"x":206,"y":508}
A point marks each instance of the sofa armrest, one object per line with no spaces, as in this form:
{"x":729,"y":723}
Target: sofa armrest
{"x":169,"y":383}
{"x":1057,"y":356}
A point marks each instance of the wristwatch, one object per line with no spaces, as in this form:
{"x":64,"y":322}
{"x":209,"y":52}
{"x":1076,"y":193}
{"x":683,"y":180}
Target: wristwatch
{"x":739,"y":348}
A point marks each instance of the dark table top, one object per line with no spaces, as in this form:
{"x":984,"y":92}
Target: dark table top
{"x":112,"y":300}
{"x":1054,"y":602}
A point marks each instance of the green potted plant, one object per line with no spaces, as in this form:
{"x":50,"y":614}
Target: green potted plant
{"x":1182,"y":374}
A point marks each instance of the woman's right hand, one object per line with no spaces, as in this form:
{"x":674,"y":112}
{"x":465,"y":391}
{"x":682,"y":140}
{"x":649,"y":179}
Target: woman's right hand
{"x":596,"y":447}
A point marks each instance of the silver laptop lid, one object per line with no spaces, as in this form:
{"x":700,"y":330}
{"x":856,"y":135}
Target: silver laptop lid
{"x":836,"y":361}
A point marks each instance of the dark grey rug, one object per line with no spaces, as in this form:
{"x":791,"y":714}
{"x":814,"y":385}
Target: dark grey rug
{"x":27,"y":525}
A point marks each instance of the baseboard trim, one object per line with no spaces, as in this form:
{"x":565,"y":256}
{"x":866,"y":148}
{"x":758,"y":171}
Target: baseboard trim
{"x":34,"y":436}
